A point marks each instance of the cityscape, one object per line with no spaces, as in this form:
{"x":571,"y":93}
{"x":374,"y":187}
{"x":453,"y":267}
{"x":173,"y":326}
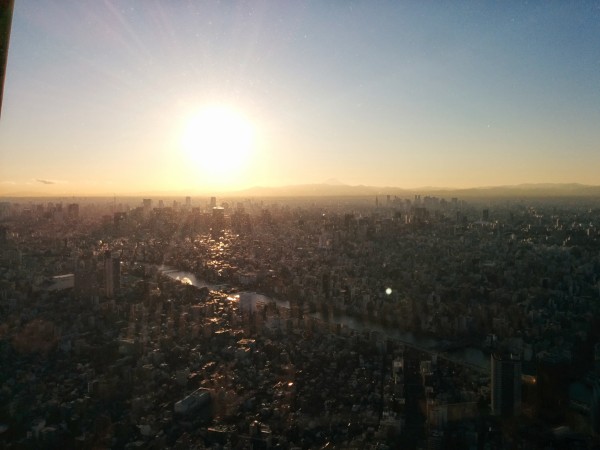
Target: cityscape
{"x":299,"y":225}
{"x":311,"y":322}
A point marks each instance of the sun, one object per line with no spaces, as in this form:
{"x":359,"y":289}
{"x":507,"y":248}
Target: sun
{"x":218,"y":140}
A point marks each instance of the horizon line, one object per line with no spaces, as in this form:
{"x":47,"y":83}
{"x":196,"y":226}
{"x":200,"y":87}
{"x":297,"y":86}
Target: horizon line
{"x":325,"y":186}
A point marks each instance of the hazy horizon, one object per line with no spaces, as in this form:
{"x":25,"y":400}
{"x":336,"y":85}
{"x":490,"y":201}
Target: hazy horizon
{"x":129,"y":98}
{"x":325,"y":189}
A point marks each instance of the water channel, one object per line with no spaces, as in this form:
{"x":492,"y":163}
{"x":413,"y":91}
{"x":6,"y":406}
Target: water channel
{"x":467,"y":355}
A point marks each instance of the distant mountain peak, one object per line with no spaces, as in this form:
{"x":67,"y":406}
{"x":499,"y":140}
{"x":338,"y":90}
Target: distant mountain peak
{"x":333,"y":182}
{"x":333,"y":187}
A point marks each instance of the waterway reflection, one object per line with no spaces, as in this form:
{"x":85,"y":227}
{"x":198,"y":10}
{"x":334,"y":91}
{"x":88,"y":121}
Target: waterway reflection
{"x":469,"y":355}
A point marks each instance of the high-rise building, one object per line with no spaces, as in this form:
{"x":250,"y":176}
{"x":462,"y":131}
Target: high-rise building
{"x":73,"y":211}
{"x":118,"y":219}
{"x":213,"y":202}
{"x":112,"y":274}
{"x":85,"y":276}
{"x":3,"y":235}
{"x":218,"y":220}
{"x":506,"y":384}
{"x":147,"y":205}
{"x":595,"y":405}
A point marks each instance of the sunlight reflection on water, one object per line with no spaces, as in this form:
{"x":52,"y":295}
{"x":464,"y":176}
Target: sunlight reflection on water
{"x":470,"y":355}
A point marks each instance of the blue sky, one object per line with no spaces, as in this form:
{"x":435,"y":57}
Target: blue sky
{"x":408,"y":94}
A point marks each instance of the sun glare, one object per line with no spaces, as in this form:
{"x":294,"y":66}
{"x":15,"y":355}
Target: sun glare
{"x":219,"y":141}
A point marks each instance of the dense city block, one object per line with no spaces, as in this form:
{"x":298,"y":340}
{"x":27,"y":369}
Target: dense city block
{"x":300,"y":323}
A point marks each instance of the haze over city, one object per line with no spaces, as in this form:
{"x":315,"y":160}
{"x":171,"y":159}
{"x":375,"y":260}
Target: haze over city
{"x":299,"y":225}
{"x":132,"y":97}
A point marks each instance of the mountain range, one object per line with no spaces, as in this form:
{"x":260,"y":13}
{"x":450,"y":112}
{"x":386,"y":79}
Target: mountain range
{"x":335,"y":188}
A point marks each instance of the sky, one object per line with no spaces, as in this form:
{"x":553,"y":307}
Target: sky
{"x":139,"y":96}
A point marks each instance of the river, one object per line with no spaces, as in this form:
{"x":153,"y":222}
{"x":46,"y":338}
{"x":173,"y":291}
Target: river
{"x":469,"y":355}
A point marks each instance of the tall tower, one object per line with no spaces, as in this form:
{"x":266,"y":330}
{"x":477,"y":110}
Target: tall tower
{"x":506,"y":384}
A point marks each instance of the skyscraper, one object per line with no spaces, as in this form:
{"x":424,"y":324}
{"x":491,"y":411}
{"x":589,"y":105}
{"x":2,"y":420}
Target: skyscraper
{"x":506,"y":384}
{"x":218,"y":220}
{"x":112,"y":274}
